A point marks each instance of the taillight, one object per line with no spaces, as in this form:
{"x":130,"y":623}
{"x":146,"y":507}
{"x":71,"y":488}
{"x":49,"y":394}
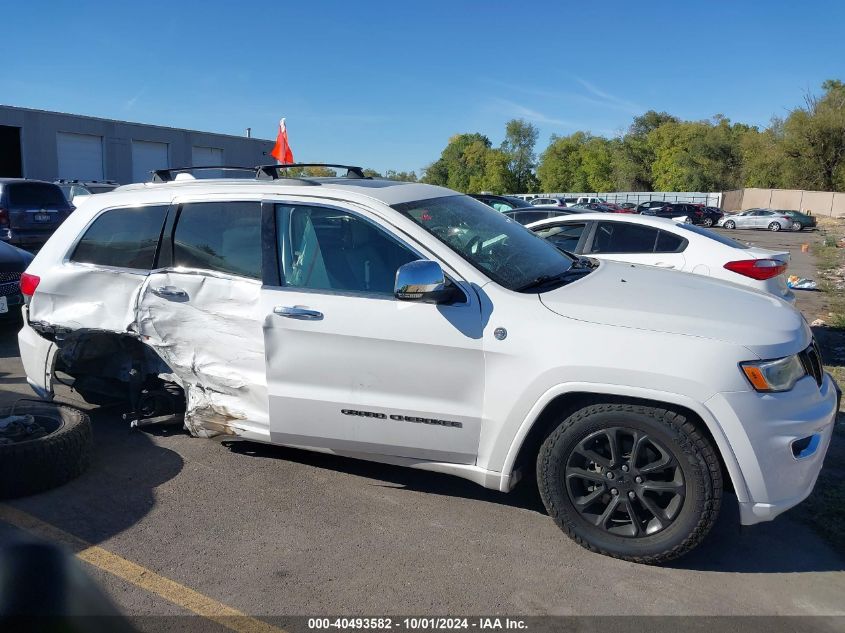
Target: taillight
{"x":759,"y":269}
{"x":4,"y":217}
{"x":28,"y":284}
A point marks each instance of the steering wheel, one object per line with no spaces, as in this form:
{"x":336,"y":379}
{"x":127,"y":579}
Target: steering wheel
{"x":474,"y":241}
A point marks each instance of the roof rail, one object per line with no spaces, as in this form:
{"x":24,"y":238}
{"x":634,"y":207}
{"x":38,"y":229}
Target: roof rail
{"x":272,"y":172}
{"x":169,"y":174}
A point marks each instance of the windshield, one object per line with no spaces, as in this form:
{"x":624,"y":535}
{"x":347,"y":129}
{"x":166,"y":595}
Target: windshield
{"x":692,"y":228}
{"x":502,"y":249}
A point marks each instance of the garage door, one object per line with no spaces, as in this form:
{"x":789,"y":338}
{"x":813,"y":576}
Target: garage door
{"x":203,"y":156}
{"x":146,"y":157}
{"x":80,"y":156}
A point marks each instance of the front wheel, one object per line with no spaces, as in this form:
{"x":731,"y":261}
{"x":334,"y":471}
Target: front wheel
{"x":774,"y":227}
{"x":730,"y":224}
{"x":708,"y":222}
{"x":797,"y":226}
{"x":629,"y":481}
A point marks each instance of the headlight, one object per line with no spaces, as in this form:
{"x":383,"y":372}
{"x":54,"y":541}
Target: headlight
{"x":774,"y":375}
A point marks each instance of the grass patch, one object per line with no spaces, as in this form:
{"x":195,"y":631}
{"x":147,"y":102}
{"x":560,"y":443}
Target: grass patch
{"x":830,"y":260}
{"x":824,"y":509}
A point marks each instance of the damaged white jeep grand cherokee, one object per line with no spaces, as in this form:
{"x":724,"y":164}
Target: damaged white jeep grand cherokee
{"x":407,"y":324}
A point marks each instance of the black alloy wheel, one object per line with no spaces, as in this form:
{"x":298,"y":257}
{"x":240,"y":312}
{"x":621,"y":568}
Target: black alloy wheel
{"x":625,"y":482}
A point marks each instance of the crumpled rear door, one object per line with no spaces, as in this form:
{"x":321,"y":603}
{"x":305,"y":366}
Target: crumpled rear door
{"x":206,"y":327}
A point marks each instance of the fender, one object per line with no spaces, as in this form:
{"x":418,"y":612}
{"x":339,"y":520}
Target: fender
{"x":508,"y":480}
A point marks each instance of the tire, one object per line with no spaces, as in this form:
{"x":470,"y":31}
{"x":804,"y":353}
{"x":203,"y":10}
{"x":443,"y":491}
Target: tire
{"x":688,"y":509}
{"x":63,"y":453}
{"x":730,"y":224}
{"x":774,"y":227}
{"x":708,"y":222}
{"x":797,"y":226}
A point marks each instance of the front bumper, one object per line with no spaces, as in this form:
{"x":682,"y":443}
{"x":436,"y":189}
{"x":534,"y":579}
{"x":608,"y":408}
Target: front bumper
{"x":779,"y":441}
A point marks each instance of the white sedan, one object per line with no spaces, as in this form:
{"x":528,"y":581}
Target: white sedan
{"x":668,"y":244}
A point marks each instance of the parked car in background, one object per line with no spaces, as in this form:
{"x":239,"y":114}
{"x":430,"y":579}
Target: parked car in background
{"x":590,"y":200}
{"x":651,"y":205}
{"x":30,"y":210}
{"x":667,"y":210}
{"x":667,"y":244}
{"x":13,"y":261}
{"x":500,"y":203}
{"x":630,"y":206}
{"x":757,"y":219}
{"x":548,"y":201}
{"x":532,"y":214}
{"x":800,"y":221}
{"x":697,"y":213}
{"x":73,"y":188}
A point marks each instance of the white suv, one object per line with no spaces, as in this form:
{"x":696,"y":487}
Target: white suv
{"x":407,"y":324}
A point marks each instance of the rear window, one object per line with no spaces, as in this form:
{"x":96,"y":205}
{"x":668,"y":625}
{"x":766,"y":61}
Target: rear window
{"x":692,"y":228}
{"x":35,"y":195}
{"x":124,"y":238}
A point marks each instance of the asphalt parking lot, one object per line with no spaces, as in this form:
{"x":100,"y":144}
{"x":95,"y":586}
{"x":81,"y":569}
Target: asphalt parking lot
{"x":270,"y":531}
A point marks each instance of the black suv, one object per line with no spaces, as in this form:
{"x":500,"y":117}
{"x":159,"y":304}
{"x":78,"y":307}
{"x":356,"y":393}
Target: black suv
{"x":30,"y":210}
{"x":698,"y":214}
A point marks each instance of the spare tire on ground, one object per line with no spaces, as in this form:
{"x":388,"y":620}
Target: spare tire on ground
{"x":42,"y":445}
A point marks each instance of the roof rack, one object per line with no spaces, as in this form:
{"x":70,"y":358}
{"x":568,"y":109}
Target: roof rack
{"x":272,"y":172}
{"x":169,"y":174}
{"x":260,"y":172}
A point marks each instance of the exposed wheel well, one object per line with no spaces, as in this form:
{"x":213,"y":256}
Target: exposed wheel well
{"x":114,"y":368}
{"x":565,"y":404}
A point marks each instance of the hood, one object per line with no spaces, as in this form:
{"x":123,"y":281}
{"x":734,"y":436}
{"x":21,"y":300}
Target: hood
{"x":648,"y":298}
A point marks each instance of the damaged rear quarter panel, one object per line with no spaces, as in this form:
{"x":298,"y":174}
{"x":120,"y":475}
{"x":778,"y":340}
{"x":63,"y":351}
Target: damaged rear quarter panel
{"x":213,"y":342}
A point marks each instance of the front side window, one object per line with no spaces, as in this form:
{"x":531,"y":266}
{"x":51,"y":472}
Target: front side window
{"x":124,"y":238}
{"x":621,"y":237}
{"x":219,"y":236}
{"x":331,"y":249}
{"x":499,"y":247}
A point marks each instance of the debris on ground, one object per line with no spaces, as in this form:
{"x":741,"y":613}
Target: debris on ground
{"x":818,"y":323}
{"x":800,"y":283}
{"x":15,"y":428}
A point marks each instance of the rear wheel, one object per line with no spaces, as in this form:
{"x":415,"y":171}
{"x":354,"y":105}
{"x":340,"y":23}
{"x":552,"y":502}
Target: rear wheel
{"x":730,"y":224}
{"x":629,"y":481}
{"x":797,"y":226}
{"x":774,"y":226}
{"x":708,"y":222}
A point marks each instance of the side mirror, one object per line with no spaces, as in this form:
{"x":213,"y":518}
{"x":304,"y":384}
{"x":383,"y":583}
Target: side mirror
{"x":423,"y":280}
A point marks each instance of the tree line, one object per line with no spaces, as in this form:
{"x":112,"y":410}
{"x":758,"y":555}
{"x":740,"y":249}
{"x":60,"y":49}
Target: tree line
{"x":658,"y":152}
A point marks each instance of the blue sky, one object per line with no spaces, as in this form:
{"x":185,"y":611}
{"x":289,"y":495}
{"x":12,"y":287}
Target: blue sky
{"x":385,"y":84}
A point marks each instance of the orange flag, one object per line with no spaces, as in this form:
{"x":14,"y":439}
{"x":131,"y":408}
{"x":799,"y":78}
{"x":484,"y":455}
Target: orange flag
{"x":281,"y":150}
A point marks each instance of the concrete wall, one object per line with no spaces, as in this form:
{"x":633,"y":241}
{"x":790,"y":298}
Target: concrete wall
{"x":40,"y":156}
{"x":830,"y":203}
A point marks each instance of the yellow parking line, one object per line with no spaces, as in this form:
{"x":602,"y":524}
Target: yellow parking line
{"x":139,"y":576}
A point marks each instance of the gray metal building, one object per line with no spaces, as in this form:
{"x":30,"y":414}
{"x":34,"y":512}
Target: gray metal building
{"x":50,"y":145}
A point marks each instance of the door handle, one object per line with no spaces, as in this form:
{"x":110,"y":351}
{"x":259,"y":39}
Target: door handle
{"x":664,"y":265}
{"x":298,"y":312}
{"x":170,"y":292}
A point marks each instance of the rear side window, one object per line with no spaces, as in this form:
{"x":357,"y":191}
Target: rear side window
{"x":125,"y":238}
{"x":35,"y":195}
{"x":669,"y":243}
{"x":620,"y":237}
{"x":219,"y":236}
